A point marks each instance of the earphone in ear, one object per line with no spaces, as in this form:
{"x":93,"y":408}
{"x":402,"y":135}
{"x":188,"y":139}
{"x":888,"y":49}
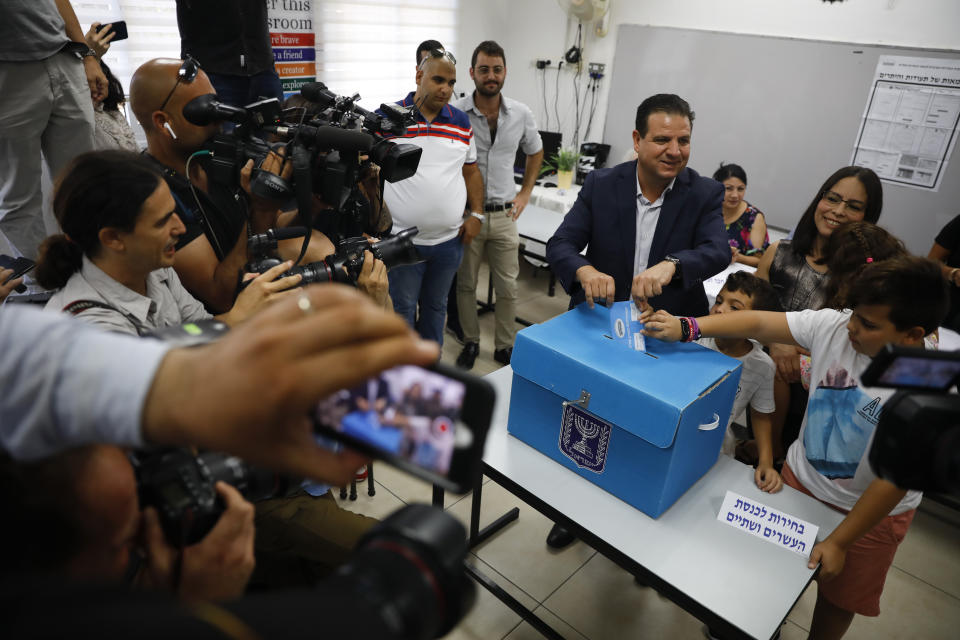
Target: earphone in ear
{"x":166,"y":125}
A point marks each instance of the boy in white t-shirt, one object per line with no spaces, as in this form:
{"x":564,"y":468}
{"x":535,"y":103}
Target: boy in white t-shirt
{"x":896,"y":301}
{"x":745,"y":292}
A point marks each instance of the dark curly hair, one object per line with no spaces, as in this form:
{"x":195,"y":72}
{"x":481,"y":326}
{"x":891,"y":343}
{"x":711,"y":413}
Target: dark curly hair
{"x":763,"y":295}
{"x":913,"y":288}
{"x":851,"y":248}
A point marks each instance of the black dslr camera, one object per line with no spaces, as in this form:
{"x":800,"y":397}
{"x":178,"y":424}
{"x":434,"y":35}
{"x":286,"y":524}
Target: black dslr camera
{"x":180,"y":485}
{"x":344,"y":265}
{"x":917,"y":441}
{"x":408,"y":574}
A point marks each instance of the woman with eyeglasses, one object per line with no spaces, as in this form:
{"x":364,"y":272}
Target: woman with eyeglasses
{"x":745,"y":224}
{"x":798,"y":268}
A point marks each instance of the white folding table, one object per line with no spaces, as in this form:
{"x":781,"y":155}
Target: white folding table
{"x":740,"y":585}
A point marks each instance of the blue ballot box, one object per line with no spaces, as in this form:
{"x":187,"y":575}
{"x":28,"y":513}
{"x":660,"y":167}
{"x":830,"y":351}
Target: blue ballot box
{"x":643,"y":426}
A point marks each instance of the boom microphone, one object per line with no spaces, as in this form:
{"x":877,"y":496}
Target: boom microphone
{"x":327,"y":137}
{"x":206,"y":109}
{"x":318,"y":92}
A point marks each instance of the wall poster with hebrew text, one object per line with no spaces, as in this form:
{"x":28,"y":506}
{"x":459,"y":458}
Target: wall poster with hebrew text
{"x":909,"y":126}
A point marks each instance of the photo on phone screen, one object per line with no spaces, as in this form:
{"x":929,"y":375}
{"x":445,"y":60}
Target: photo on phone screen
{"x":430,"y":422}
{"x":912,"y":368}
{"x":921,"y":373}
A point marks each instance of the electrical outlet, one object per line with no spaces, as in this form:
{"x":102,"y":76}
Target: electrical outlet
{"x":596,"y":68}
{"x":542,"y":64}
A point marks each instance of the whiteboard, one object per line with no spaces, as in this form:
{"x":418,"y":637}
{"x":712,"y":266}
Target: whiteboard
{"x":788,"y":111}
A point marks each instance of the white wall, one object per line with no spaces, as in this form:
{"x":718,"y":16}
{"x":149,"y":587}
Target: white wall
{"x":531,"y":29}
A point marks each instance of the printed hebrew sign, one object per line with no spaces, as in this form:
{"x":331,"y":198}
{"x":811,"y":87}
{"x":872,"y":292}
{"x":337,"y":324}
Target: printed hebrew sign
{"x":765,"y":522}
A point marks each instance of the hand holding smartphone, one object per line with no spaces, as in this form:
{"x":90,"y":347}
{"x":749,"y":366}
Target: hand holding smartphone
{"x":431,"y":422}
{"x":19,"y":267}
{"x":118,"y":29}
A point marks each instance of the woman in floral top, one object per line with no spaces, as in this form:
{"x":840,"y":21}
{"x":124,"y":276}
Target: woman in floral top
{"x":746,"y":228}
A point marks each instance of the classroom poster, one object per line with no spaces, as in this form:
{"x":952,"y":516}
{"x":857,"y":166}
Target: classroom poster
{"x":294,"y":42}
{"x":909,"y":126}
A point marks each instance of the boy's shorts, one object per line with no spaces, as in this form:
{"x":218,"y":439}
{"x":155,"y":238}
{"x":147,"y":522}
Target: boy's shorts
{"x":858,"y":587}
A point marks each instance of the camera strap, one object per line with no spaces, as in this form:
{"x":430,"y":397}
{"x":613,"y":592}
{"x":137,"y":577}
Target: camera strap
{"x":77,"y":307}
{"x":303,"y":189}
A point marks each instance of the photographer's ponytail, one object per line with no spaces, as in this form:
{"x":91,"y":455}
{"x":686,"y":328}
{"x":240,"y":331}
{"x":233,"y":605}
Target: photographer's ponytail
{"x":59,"y":258}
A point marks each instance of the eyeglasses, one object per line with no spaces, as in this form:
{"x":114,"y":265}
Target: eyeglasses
{"x":439,"y":53}
{"x":835,"y":199}
{"x":189,"y":69}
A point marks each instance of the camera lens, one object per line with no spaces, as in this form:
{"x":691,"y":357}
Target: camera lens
{"x":410,"y":569}
{"x":253,"y":482}
{"x":396,"y":161}
{"x":398,"y":250}
{"x":323,"y":271}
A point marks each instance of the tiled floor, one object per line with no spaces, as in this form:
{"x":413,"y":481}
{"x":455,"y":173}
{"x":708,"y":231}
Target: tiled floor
{"x":585,"y":596}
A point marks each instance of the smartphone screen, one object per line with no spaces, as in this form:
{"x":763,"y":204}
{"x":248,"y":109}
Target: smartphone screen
{"x":430,"y":422}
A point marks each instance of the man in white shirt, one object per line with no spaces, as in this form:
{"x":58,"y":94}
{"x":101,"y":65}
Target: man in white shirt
{"x":500,"y":125}
{"x":434,"y":198}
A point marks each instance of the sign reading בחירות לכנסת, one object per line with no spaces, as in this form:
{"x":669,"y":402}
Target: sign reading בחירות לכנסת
{"x":770,"y":524}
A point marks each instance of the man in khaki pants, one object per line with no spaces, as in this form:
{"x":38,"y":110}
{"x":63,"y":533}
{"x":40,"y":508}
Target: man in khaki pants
{"x":500,"y":125}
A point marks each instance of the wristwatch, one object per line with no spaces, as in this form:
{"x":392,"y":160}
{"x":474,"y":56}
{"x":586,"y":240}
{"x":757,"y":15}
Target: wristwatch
{"x":677,"y":275}
{"x":478,"y":216}
{"x":88,"y":52}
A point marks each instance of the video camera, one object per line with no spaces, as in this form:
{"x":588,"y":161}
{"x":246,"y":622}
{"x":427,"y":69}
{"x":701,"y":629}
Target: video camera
{"x":328,"y":153}
{"x":917,"y":441}
{"x":180,"y":485}
{"x":343,"y":266}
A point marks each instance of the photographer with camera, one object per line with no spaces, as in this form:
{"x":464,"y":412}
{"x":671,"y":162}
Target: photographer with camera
{"x":81,"y":520}
{"x":112,"y":264}
{"x":407,"y":579}
{"x":213,"y":250}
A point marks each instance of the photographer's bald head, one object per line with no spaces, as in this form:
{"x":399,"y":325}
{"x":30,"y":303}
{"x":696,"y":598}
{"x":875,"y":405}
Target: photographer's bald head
{"x":158,"y":91}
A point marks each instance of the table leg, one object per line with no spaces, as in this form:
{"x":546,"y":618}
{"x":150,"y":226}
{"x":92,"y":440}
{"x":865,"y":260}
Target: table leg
{"x":494,"y":527}
{"x":545,"y":630}
{"x":479,"y":536}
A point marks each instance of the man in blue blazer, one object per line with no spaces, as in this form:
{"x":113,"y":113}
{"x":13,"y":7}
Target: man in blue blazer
{"x":653,"y":228}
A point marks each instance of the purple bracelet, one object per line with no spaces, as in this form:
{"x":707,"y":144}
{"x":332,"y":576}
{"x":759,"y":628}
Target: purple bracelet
{"x":694,"y":329}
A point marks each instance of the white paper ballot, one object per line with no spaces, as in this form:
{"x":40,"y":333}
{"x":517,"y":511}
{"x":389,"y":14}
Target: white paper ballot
{"x":625,"y":325}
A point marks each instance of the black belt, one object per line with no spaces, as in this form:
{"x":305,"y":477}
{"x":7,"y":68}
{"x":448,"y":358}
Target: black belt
{"x":490,"y":208}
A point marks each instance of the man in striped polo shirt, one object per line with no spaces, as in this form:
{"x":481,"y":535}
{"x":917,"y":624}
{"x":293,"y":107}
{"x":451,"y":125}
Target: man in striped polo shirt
{"x":435,"y":198}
